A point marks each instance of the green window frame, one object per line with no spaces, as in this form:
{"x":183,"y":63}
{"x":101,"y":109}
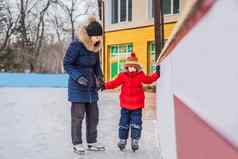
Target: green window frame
{"x":118,"y":54}
{"x":152,"y":56}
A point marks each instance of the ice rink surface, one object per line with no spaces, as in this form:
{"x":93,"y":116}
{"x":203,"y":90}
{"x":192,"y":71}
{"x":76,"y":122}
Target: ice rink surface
{"x":35,"y":124}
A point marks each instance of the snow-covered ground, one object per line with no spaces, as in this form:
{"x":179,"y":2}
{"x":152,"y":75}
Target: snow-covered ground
{"x":35,"y":124}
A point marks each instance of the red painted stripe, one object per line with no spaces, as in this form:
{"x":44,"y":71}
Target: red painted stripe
{"x":196,"y":139}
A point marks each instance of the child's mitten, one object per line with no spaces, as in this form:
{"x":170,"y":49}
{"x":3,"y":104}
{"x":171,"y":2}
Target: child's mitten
{"x":158,"y":69}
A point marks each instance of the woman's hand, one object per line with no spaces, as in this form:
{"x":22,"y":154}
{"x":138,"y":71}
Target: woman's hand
{"x":101,"y":84}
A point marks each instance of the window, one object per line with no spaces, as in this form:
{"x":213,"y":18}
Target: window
{"x":170,"y":7}
{"x":130,"y":10}
{"x":114,"y":11}
{"x":118,"y":55}
{"x":121,"y":11}
{"x":176,"y":6}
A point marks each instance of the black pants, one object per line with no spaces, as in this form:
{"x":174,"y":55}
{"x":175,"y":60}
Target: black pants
{"x":78,"y":111}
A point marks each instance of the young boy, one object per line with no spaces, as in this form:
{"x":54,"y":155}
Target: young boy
{"x":131,"y":100}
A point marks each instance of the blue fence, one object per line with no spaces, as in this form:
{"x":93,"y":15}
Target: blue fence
{"x":33,"y":80}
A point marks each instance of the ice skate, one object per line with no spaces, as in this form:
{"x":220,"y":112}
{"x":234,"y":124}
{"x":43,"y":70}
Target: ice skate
{"x":135,"y":145}
{"x":79,"y":149}
{"x":96,"y":147}
{"x":122,"y":144}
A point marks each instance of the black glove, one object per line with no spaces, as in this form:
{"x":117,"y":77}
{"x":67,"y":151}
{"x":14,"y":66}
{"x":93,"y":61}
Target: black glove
{"x":158,"y":69}
{"x":83,"y":81}
{"x":101,"y":83}
{"x":102,"y":87}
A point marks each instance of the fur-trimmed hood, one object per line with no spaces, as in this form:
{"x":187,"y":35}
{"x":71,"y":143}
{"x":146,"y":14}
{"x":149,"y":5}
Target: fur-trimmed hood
{"x":86,"y":39}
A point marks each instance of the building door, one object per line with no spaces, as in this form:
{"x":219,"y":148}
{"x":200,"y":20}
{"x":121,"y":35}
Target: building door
{"x":118,"y":55}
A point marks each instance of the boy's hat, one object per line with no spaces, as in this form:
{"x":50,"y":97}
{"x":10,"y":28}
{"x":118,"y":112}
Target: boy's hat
{"x":132,"y":60}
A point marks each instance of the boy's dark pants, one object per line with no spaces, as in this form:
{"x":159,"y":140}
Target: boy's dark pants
{"x":133,"y":119}
{"x":78,"y":111}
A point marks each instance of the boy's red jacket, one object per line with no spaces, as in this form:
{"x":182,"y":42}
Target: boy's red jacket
{"x":132,"y":92}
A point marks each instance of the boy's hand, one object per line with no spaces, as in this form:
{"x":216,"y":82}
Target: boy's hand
{"x":102,"y":87}
{"x":158,"y":69}
{"x":83,"y":81}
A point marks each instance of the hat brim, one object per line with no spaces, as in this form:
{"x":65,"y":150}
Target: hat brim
{"x":136,"y":65}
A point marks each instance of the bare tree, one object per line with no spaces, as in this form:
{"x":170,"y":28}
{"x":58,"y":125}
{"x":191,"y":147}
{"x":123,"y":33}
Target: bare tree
{"x":31,"y":29}
{"x":58,"y":44}
{"x":2,"y":15}
{"x":32,"y":32}
{"x":41,"y":28}
{"x":100,"y":9}
{"x":57,"y":22}
{"x":73,"y":11}
{"x":7,"y":24}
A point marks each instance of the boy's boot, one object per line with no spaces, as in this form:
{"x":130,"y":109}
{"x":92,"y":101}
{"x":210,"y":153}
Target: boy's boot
{"x":122,"y":144}
{"x":134,"y":145}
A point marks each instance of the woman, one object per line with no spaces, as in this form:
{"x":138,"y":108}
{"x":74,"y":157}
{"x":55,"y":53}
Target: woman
{"x":82,"y":64}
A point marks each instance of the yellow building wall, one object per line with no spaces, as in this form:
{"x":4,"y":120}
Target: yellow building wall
{"x":139,"y":37}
